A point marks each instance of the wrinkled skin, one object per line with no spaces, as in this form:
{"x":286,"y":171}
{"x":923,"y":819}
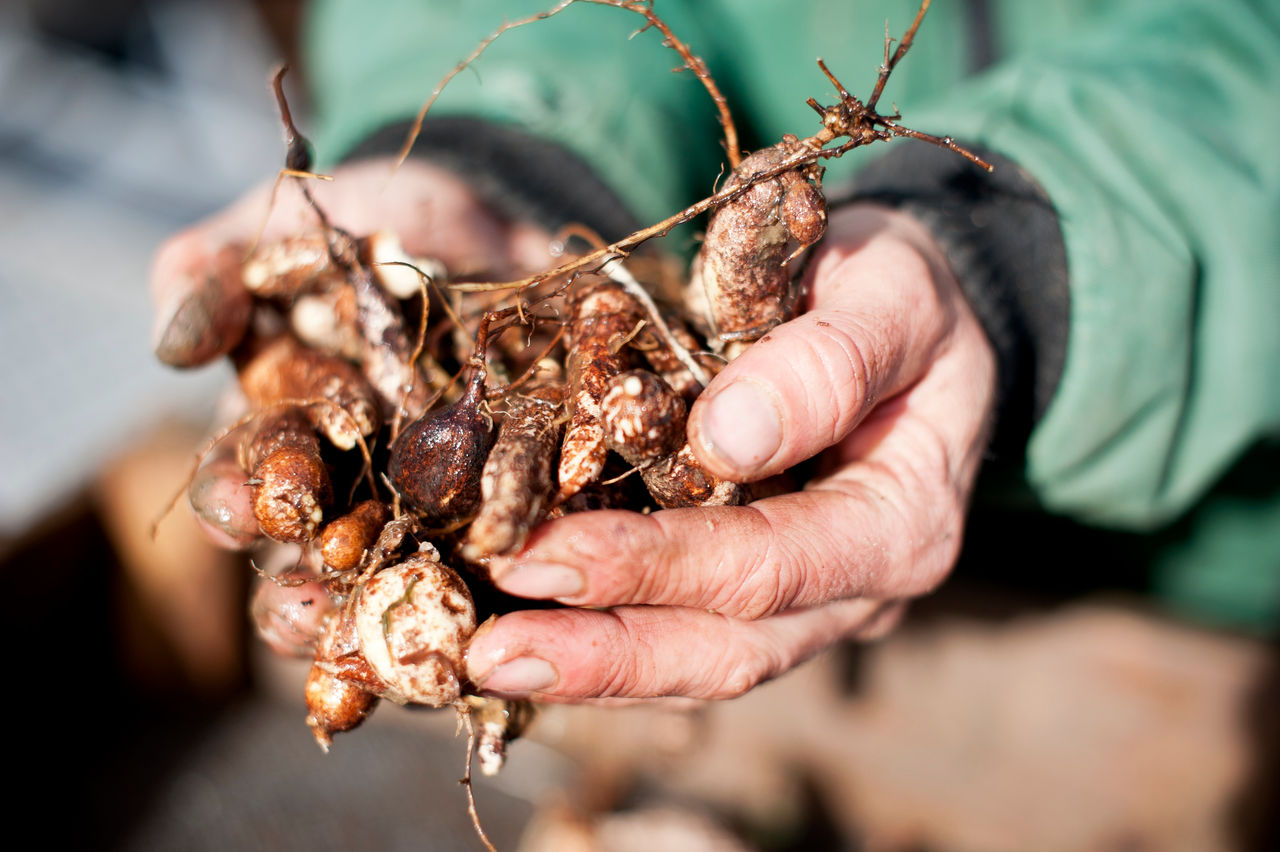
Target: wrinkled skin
{"x":887,"y":374}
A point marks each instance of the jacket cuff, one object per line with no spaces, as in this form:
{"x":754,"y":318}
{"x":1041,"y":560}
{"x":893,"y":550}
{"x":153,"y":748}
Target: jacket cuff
{"x":520,"y":176}
{"x":1002,"y":238}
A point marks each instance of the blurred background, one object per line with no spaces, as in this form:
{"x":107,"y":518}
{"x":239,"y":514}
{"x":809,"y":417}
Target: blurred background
{"x":1040,"y":706}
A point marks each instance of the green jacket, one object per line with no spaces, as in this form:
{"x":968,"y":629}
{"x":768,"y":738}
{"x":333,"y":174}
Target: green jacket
{"x":1151,"y":126}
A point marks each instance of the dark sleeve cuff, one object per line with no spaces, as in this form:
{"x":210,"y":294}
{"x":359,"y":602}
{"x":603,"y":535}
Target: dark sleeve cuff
{"x":1002,"y":238}
{"x":520,"y":176}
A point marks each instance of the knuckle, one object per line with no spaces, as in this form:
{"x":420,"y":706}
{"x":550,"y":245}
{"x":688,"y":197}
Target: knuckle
{"x":627,"y":665}
{"x":771,"y":581}
{"x":610,"y":547}
{"x":840,"y":357}
{"x":741,"y":672}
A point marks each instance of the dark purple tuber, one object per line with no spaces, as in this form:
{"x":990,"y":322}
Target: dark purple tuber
{"x":436,"y":462}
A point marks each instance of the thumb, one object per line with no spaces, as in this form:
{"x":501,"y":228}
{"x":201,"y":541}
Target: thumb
{"x":879,"y":311}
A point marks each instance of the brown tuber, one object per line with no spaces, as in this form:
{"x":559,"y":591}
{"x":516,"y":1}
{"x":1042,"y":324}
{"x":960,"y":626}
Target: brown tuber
{"x":335,"y":703}
{"x":604,"y":318}
{"x":740,"y":281}
{"x":643,"y":417}
{"x":340,"y":402}
{"x":290,"y":483}
{"x":680,"y":480}
{"x":344,"y":540}
{"x":518,"y":478}
{"x":290,"y":268}
{"x":327,"y":321}
{"x":498,"y":722}
{"x":644,"y":423}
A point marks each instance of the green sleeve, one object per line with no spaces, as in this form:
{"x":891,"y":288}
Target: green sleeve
{"x":1153,"y":131}
{"x":578,"y":78}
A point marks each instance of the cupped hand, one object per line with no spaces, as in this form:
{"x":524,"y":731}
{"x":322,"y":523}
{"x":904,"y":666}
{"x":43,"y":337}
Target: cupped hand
{"x":890,"y":377}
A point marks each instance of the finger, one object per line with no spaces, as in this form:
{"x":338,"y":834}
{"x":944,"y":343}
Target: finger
{"x":222,"y":501}
{"x":887,"y":524}
{"x":844,"y":540}
{"x":202,"y":308}
{"x":649,"y":652}
{"x":201,"y":305}
{"x":876,"y":322}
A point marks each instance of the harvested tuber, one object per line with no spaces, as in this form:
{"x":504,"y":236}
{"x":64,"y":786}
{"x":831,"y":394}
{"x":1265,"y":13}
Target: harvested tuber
{"x":517,"y":482}
{"x":412,"y":622}
{"x":291,"y":268}
{"x":740,"y":281}
{"x":335,"y":703}
{"x":290,"y":481}
{"x":345,"y":540}
{"x":643,"y":417}
{"x":604,"y":318}
{"x":339,"y":401}
{"x":436,"y":462}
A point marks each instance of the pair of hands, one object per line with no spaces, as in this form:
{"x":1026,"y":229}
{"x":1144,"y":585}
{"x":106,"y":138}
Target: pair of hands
{"x":887,"y":374}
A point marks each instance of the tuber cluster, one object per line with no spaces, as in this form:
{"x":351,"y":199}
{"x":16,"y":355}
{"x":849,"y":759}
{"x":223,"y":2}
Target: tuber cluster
{"x":401,"y":469}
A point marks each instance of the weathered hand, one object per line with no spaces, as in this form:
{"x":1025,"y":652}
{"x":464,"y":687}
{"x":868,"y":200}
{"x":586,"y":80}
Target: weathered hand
{"x":891,"y":377}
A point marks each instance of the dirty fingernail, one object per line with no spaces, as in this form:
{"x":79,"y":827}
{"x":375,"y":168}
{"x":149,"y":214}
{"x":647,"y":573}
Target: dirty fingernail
{"x":541,"y":580}
{"x":204,"y":313}
{"x":519,"y":676}
{"x":183,"y":322}
{"x":741,"y":426}
{"x":223,"y":505}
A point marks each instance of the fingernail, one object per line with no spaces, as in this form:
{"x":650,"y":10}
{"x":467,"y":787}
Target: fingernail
{"x":519,"y":676}
{"x":741,"y":426}
{"x":541,"y":580}
{"x":183,"y":322}
{"x":222,"y":505}
{"x":205,"y":313}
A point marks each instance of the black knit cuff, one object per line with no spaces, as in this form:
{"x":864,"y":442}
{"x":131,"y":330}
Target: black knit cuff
{"x":520,"y":176}
{"x":1002,"y":239}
